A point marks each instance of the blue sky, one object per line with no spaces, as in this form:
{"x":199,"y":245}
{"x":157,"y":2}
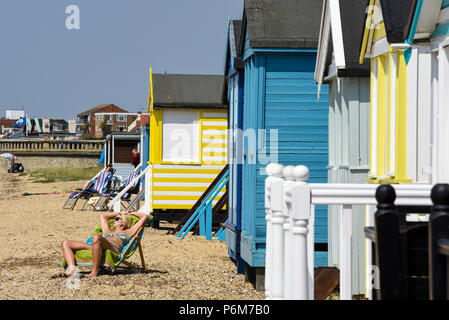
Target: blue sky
{"x":55,"y":72}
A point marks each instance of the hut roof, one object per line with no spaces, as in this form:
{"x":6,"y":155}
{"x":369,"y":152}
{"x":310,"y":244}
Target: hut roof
{"x":291,"y":24}
{"x":188,"y":90}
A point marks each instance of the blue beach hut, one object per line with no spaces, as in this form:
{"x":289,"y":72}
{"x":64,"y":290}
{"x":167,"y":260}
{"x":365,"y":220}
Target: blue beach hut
{"x":283,"y":121}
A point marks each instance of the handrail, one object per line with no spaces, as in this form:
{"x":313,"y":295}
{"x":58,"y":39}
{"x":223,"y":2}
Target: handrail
{"x":200,"y":210}
{"x":200,"y":200}
{"x":290,"y":215}
{"x":119,"y":196}
{"x":217,"y":208}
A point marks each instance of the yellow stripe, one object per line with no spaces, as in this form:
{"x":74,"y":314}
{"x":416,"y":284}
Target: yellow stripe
{"x":380,"y":31}
{"x":205,"y":171}
{"x":401,"y":120}
{"x":214,"y":154}
{"x":156,"y":136}
{"x":205,"y":180}
{"x":215,"y":136}
{"x":367,"y":31}
{"x":201,"y":189}
{"x":206,"y":127}
{"x":214,"y":145}
{"x":391,"y":83}
{"x":180,"y":197}
{"x":174,"y":206}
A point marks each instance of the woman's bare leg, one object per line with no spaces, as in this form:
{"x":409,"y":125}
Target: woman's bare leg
{"x":98,"y":245}
{"x":68,"y":246}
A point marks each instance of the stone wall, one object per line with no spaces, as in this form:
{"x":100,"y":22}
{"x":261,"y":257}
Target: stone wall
{"x":31,"y":162}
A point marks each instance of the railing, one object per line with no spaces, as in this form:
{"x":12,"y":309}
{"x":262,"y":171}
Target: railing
{"x":201,"y":200}
{"x":203,"y":214}
{"x":30,"y":146}
{"x":289,"y":204}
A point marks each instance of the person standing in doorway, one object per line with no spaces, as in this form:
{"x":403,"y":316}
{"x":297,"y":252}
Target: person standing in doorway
{"x":136,"y":158}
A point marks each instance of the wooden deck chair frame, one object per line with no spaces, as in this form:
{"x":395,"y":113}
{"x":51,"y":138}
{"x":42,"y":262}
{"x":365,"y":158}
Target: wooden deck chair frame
{"x":71,"y":202}
{"x":101,"y":204}
{"x":135,"y":238}
{"x":90,"y":194}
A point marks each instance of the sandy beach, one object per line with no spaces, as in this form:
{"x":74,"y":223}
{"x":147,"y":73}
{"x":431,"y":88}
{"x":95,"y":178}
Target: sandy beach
{"x":33,"y":227}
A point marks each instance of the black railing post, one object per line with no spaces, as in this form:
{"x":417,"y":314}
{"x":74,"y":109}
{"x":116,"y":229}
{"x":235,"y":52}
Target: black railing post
{"x":388,"y":244}
{"x":438,"y":230}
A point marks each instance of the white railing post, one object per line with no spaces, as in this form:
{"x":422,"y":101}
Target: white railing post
{"x":300,"y":213}
{"x":274,"y":172}
{"x":346,"y":252}
{"x":277,"y":240}
{"x":288,"y":253}
{"x":148,"y":205}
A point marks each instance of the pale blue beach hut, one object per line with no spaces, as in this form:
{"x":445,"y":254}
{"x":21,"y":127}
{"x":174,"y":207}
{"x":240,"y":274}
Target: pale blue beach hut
{"x":348,"y":83}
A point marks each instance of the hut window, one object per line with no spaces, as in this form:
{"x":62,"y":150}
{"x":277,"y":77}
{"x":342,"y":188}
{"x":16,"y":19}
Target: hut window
{"x":180,"y":136}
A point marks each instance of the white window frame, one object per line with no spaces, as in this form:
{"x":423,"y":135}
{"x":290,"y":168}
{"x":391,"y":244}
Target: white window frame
{"x":181,"y":127}
{"x":121,"y":118}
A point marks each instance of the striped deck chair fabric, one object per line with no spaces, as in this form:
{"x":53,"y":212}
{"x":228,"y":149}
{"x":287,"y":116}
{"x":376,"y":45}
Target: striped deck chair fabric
{"x":100,"y":187}
{"x":105,"y":197}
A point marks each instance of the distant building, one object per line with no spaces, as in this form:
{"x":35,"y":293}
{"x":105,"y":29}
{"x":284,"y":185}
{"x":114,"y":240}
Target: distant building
{"x":107,"y":122}
{"x":6,"y":126}
{"x":15,"y":114}
{"x":105,"y":117}
{"x":72,"y":126}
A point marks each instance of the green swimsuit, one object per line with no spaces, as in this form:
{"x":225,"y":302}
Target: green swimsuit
{"x":122,"y":236}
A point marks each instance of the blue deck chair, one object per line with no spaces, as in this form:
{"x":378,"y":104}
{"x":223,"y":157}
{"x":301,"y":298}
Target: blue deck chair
{"x":101,"y":204}
{"x":101,"y":185}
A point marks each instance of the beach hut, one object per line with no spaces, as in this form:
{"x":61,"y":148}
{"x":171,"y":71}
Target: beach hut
{"x":283,"y":121}
{"x":188,"y":142}
{"x":349,"y":92}
{"x":118,"y":151}
{"x":407,"y":43}
{"x":397,"y":42}
{"x":233,"y":95}
{"x":416,"y":48}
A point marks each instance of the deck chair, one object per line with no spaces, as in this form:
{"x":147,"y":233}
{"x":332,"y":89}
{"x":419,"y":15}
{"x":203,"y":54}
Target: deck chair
{"x":101,"y":185}
{"x":102,"y":202}
{"x":111,"y":260}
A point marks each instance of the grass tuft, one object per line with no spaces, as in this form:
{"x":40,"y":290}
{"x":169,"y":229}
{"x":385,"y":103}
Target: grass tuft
{"x":48,"y":175}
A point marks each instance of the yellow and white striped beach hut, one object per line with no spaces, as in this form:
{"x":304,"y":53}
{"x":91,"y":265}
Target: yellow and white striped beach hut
{"x":188,"y":141}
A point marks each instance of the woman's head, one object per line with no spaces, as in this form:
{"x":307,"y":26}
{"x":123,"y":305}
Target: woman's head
{"x":123,"y":221}
{"x":109,"y":167}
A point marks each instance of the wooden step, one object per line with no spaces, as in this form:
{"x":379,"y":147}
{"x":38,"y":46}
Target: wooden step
{"x":326,"y":280}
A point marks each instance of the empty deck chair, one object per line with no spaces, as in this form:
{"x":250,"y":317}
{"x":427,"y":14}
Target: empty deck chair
{"x":101,"y":204}
{"x":111,"y":260}
{"x":100,"y":186}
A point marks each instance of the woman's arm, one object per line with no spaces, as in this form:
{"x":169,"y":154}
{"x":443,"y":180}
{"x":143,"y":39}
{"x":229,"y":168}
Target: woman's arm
{"x":143,"y":217}
{"x":104,"y":221}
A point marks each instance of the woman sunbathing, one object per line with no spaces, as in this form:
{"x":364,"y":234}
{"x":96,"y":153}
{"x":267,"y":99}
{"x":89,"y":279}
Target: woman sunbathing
{"x":109,"y":240}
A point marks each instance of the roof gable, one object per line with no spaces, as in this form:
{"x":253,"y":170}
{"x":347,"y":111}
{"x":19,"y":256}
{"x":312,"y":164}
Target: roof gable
{"x":100,"y":108}
{"x":341,"y":32}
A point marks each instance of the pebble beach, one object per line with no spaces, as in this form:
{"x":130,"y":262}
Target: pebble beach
{"x":33,"y":226}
